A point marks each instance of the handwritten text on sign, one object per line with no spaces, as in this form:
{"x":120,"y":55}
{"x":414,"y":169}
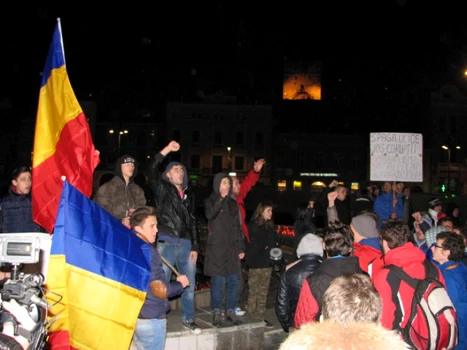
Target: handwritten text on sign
{"x":396,"y":157}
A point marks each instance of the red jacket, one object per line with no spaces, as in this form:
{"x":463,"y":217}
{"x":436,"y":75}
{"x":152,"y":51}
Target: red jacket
{"x":370,"y":259}
{"x":248,"y":182}
{"x":410,"y":258}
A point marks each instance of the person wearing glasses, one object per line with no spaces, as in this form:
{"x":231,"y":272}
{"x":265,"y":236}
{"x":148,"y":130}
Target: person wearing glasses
{"x":448,"y":252}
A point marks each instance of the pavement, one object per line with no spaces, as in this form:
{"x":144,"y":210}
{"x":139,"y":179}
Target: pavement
{"x":273,"y":337}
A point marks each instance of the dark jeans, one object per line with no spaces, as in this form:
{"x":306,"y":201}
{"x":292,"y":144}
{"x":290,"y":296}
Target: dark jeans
{"x":217,"y":291}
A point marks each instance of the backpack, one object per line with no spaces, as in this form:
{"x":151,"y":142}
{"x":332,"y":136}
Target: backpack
{"x":432,"y":324}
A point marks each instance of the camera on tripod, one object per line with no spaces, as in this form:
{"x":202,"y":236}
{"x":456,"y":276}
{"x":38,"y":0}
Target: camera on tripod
{"x":26,"y":288}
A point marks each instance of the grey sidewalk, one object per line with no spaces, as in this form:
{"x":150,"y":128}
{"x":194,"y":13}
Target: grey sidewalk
{"x":237,"y":337}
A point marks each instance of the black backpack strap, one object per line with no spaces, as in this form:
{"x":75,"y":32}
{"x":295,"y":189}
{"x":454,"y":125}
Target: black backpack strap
{"x":403,"y":275}
{"x":394,"y":278}
{"x":431,"y":271}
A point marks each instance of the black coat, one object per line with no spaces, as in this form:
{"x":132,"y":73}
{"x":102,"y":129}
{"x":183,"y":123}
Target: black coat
{"x":290,"y":286}
{"x":225,"y":237}
{"x":175,"y":215}
{"x":263,"y":239}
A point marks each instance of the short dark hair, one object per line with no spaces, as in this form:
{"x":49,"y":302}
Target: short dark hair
{"x":139,"y":216}
{"x":18,"y":171}
{"x":396,"y":233}
{"x":338,"y":239}
{"x":453,"y":242}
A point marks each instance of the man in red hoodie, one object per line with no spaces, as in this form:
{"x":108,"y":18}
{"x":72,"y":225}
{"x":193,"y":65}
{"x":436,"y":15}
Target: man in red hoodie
{"x":400,"y":251}
{"x":240,"y":191}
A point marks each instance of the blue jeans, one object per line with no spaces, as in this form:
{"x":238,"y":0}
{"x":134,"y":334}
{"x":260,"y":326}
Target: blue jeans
{"x":217,"y":291}
{"x":150,"y":334}
{"x":179,"y":256}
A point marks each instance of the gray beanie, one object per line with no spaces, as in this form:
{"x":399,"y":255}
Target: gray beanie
{"x":310,"y":244}
{"x":365,"y":226}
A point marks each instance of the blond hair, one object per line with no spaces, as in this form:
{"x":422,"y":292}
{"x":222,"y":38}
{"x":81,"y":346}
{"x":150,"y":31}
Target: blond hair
{"x":352,"y":298}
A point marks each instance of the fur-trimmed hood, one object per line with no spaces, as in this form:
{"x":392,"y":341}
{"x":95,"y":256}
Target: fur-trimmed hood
{"x":330,"y":335}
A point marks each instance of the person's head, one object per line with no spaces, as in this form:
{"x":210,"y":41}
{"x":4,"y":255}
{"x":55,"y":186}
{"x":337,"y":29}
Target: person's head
{"x":126,"y":166}
{"x":235,"y":186}
{"x":394,"y":234}
{"x":310,"y":244}
{"x":447,"y":223}
{"x":400,"y":187}
{"x":387,"y":187}
{"x":175,"y":173}
{"x":222,"y":182}
{"x":364,"y":226}
{"x":452,"y":210}
{"x":263,"y":213}
{"x":21,"y":180}
{"x":338,"y":240}
{"x":407,"y":192}
{"x":352,"y":298}
{"x":143,"y":222}
{"x":341,"y":192}
{"x":375,"y":191}
{"x":448,"y":246}
{"x":435,"y":204}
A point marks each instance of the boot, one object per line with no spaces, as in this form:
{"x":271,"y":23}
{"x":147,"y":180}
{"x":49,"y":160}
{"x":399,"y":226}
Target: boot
{"x":230,"y":316}
{"x":217,"y":318}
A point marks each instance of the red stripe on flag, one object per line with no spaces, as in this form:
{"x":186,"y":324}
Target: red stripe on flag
{"x":60,"y":340}
{"x":75,"y":158}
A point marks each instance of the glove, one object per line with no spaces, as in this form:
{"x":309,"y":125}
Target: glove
{"x":159,"y":289}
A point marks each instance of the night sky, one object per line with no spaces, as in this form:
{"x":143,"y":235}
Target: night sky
{"x":143,"y":56}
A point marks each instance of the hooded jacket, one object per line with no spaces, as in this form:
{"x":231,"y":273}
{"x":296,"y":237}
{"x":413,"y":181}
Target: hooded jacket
{"x":175,"y":212}
{"x":225,"y":237}
{"x":410,"y":258}
{"x":117,"y":197}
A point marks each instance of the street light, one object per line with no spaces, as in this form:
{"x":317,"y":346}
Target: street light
{"x":229,"y":149}
{"x":119,"y":135}
{"x":447,"y":148}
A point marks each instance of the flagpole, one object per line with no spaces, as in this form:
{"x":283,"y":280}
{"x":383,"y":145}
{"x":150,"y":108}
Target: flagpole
{"x":59,"y":24}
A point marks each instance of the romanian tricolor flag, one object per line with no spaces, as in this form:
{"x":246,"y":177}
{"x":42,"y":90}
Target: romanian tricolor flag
{"x":100,"y":271}
{"x":63,"y":147}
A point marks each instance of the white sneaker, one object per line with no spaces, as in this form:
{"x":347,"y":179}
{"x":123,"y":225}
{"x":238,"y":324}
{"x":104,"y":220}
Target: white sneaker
{"x":239,"y":312}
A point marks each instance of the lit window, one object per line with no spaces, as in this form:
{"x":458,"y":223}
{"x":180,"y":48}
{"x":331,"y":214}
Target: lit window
{"x":318,"y":184}
{"x":355,"y":186}
{"x":281,"y":185}
{"x":297,"y":185}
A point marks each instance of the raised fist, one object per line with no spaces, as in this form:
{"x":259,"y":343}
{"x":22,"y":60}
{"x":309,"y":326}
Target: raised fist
{"x":173,"y":146}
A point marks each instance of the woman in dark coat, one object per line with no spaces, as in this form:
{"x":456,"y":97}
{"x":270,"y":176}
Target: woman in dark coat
{"x":224,"y":249}
{"x":263,"y":239}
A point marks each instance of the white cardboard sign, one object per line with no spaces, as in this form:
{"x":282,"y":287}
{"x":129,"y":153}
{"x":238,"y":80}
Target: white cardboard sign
{"x":396,"y":157}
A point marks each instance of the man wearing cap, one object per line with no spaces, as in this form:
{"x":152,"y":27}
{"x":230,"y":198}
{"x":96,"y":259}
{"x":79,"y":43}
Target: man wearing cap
{"x":121,"y":195}
{"x":367,"y":243}
{"x":178,"y":230}
{"x":310,"y":256}
{"x":435,"y":210}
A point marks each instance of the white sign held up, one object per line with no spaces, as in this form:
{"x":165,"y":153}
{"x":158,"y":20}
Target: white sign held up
{"x":396,"y":157}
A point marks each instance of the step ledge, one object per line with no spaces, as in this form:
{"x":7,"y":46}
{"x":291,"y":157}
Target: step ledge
{"x":215,"y":330}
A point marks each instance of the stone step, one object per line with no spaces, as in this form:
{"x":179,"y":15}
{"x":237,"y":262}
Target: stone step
{"x":251,"y":335}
